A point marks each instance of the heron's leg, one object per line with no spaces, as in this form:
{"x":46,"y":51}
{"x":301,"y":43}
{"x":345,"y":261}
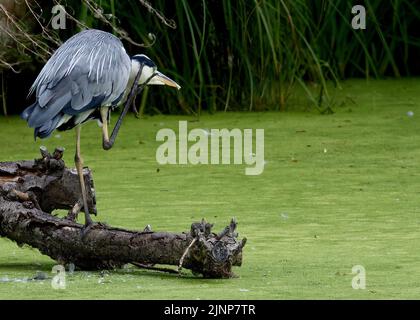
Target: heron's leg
{"x":79,"y":166}
{"x":109,"y":142}
{"x":105,"y":135}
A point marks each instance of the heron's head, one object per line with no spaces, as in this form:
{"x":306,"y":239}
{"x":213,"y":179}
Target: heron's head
{"x":149,"y":73}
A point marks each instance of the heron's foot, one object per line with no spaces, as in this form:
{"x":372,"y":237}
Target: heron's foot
{"x":87,"y":228}
{"x":91,"y":226}
{"x":106,"y":145}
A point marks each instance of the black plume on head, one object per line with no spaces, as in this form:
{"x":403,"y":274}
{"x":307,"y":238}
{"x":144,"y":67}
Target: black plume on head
{"x":143,"y":59}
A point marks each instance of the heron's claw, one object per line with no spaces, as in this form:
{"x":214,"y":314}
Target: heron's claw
{"x":91,"y":226}
{"x":87,"y":228}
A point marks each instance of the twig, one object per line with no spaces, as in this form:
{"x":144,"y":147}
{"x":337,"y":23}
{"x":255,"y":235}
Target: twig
{"x":148,"y":267}
{"x":97,"y":11}
{"x":168,"y":22}
{"x":25,"y":34}
{"x":3,"y":95}
{"x":44,"y":30}
{"x":181,"y":261}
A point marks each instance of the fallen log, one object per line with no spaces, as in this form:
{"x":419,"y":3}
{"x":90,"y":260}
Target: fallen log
{"x":31,"y":190}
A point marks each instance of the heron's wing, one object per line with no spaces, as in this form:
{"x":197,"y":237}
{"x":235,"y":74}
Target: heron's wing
{"x":89,"y":70}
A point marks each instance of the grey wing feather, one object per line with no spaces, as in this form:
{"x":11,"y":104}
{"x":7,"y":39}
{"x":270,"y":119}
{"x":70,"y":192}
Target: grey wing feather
{"x":89,"y":65}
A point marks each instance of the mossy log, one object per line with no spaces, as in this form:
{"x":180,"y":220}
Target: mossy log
{"x":31,"y":190}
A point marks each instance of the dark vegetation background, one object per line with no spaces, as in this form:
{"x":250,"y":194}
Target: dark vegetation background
{"x":227,"y":55}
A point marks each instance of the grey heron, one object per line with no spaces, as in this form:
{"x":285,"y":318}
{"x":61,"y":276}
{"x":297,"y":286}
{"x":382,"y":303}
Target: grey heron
{"x":85,"y":78}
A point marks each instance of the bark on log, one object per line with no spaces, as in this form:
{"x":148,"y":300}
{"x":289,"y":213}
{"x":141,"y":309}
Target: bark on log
{"x":31,"y":190}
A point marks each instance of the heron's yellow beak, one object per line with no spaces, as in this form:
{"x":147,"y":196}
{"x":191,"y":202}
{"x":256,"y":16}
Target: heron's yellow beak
{"x":161,"y":79}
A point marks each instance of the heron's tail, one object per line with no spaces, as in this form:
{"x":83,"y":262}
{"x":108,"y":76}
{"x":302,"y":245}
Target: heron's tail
{"x":28,"y":111}
{"x":47,"y":128}
{"x":44,"y":130}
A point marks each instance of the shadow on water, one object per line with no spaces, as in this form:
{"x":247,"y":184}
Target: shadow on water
{"x":28,"y":267}
{"x":185,"y":274}
{"x":21,"y":267}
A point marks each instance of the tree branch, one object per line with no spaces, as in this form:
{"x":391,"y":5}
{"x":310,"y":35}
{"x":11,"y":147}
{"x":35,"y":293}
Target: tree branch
{"x":31,"y":190}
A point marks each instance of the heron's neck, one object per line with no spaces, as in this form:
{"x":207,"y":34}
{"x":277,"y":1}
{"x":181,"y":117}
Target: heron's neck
{"x":135,"y":67}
